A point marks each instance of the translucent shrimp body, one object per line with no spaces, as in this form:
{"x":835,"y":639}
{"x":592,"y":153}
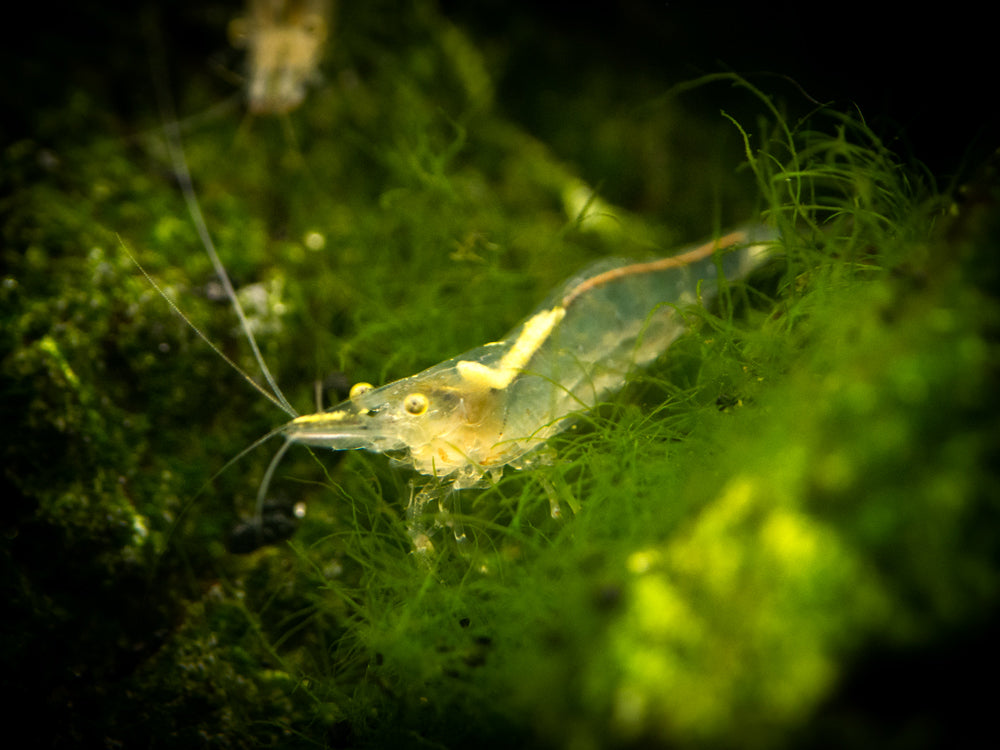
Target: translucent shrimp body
{"x":489,"y":407}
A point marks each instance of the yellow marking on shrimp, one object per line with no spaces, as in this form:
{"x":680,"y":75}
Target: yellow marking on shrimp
{"x":540,"y":326}
{"x":532,"y":336}
{"x":320,"y":418}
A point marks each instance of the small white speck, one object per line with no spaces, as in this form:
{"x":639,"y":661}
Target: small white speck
{"x":314,"y":241}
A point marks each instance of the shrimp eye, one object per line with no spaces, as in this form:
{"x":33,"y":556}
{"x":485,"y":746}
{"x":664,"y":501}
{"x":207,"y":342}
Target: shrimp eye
{"x":416,"y":404}
{"x":359,"y":389}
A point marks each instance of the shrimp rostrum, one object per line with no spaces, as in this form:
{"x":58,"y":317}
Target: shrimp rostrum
{"x":469,"y":417}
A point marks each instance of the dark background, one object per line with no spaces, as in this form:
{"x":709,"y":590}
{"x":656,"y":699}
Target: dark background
{"x":922,"y":75}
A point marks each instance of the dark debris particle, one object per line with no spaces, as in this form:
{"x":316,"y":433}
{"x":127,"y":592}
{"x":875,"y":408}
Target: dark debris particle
{"x":277,"y":522}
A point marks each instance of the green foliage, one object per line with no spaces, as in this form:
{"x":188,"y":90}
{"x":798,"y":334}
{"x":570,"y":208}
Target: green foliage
{"x":802,"y":476}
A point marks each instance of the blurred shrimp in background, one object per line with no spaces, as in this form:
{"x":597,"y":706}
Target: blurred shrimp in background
{"x":284,"y":40}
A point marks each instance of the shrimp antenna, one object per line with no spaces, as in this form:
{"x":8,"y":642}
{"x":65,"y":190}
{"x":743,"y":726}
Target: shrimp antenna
{"x":178,"y":159}
{"x":280,"y":403}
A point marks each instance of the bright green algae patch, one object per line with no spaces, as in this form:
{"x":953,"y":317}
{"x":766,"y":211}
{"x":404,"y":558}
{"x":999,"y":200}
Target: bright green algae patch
{"x":802,"y":480}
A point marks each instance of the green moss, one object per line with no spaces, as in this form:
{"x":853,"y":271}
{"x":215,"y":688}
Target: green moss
{"x":802,"y":479}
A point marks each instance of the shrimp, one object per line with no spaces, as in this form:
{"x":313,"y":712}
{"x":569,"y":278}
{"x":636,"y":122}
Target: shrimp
{"x":284,"y":41}
{"x":471,"y":416}
{"x":463,"y":421}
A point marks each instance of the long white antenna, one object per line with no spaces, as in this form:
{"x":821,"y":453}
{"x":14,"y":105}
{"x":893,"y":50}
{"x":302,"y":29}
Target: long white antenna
{"x":281,"y":404}
{"x":175,"y":148}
